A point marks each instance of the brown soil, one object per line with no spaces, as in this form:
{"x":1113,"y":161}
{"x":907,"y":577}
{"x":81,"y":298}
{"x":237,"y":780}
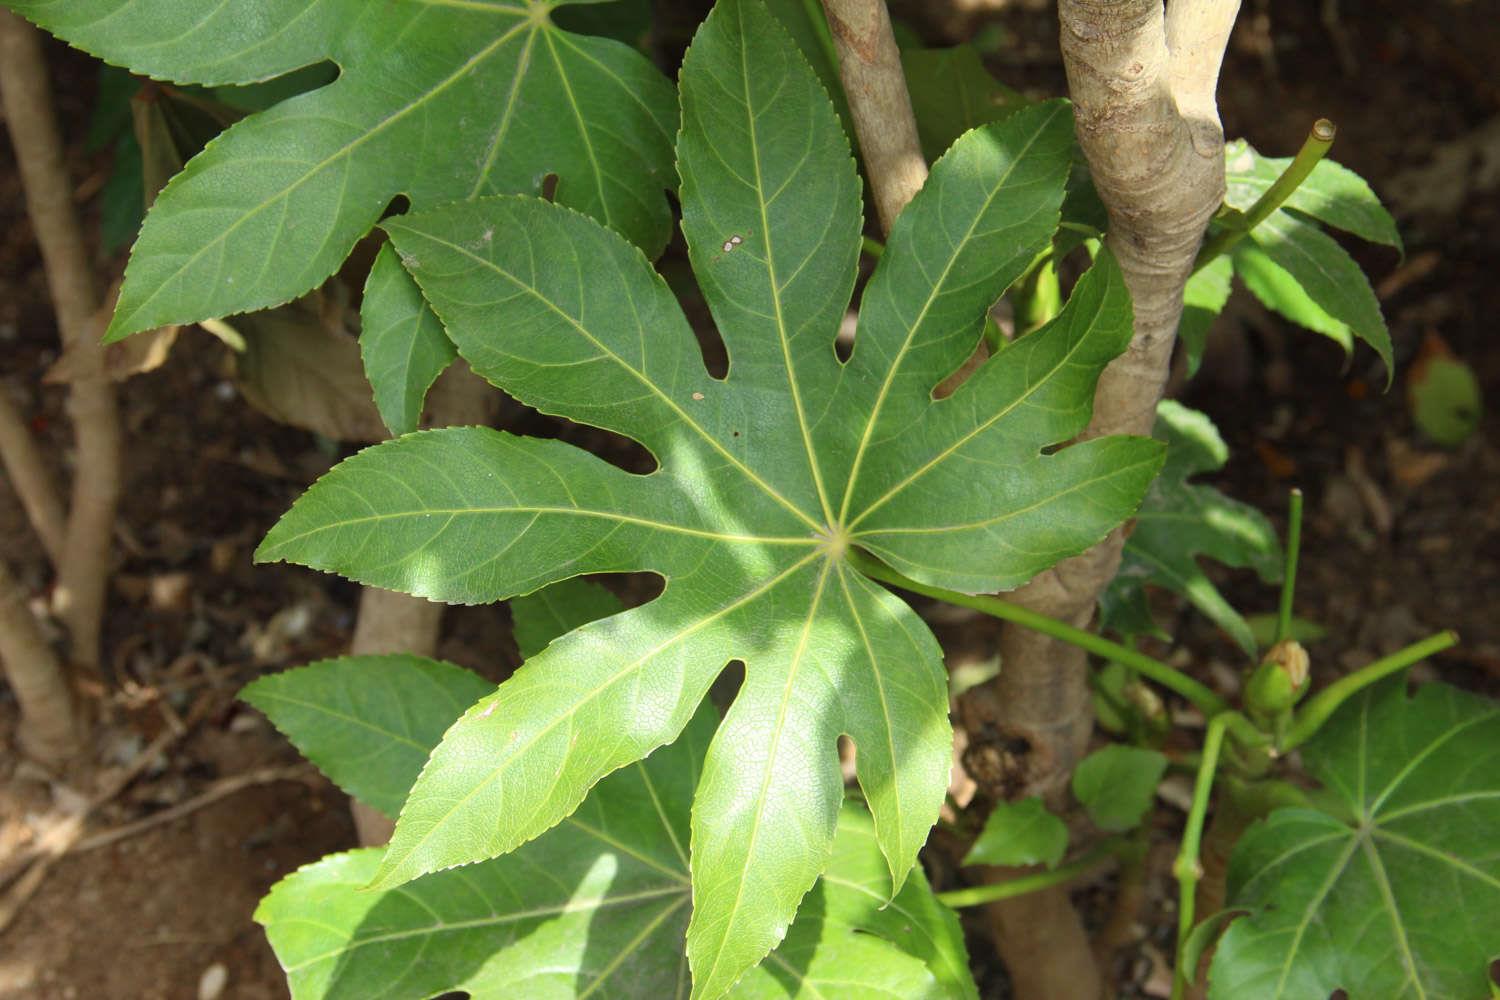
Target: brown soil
{"x":1403,"y":538}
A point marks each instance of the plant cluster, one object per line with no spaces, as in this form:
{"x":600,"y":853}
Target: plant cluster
{"x":596,"y":825}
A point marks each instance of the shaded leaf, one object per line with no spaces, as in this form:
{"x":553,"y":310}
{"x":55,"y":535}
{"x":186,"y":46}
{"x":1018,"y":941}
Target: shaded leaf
{"x":598,"y":904}
{"x":1444,"y":393}
{"x":1328,"y":275}
{"x":766,"y":479}
{"x":1202,"y":300}
{"x":1263,"y":628}
{"x":952,"y":92}
{"x":401,"y":343}
{"x":368,"y":722}
{"x":1200,"y":939}
{"x":1020,"y":833}
{"x":1179,"y":522}
{"x":557,"y":610}
{"x":1117,"y":783}
{"x":436,"y":101}
{"x":1332,"y":194}
{"x":1393,"y":892}
{"x":1279,"y":292}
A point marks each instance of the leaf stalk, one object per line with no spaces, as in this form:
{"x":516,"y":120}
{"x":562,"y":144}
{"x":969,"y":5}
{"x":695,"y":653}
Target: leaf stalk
{"x":1322,"y":705}
{"x":1187,"y":868}
{"x":1289,"y":574}
{"x":1314,"y":148}
{"x":980,"y":894}
{"x":1167,"y":676}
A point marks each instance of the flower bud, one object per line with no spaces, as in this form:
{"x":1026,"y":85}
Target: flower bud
{"x":1279,"y":681}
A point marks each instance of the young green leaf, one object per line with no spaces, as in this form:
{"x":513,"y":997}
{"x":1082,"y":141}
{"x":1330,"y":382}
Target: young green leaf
{"x":1328,"y":275}
{"x":1020,"y":833}
{"x":368,"y":722}
{"x":1332,"y":194}
{"x":1178,"y":522}
{"x":1281,"y":293}
{"x":1393,"y":892}
{"x":1116,"y":785}
{"x":401,"y":342}
{"x":766,"y":479}
{"x":437,"y":101}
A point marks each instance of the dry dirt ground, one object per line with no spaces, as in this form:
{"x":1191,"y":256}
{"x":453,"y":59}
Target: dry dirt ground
{"x":1403,"y":538}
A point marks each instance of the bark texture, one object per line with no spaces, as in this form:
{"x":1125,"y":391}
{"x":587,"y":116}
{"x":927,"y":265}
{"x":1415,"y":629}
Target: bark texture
{"x":49,"y":729}
{"x":1143,"y":81}
{"x":84,"y":563}
{"x":1143,"y":87}
{"x":870,"y":70}
{"x":31,"y":480}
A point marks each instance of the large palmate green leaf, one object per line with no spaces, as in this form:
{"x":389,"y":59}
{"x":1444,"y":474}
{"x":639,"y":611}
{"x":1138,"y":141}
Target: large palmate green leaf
{"x":1394,"y":891}
{"x":435,"y":100}
{"x":766,"y":479}
{"x":597,"y":906}
{"x":1179,"y":522}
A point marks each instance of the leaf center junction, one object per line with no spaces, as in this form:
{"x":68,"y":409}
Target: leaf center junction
{"x":834,"y":540}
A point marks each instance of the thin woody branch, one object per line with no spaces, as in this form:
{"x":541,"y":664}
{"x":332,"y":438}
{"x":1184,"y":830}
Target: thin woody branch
{"x":83,"y":566}
{"x":870,"y":69}
{"x":30,"y":479}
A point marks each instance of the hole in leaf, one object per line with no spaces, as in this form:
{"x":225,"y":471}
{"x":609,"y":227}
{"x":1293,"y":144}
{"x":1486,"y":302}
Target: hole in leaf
{"x":679,"y":276}
{"x":616,"y":449}
{"x":399,"y":205}
{"x":549,"y":187}
{"x":727,"y":685}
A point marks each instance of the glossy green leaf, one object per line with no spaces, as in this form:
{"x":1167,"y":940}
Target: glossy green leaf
{"x":368,"y":722}
{"x":952,"y":92}
{"x":1202,"y":300}
{"x":1328,"y":275}
{"x":1332,"y":194}
{"x":807,"y":25}
{"x":597,"y":906}
{"x":1179,"y":522}
{"x":1394,"y":891}
{"x":435,"y":100}
{"x":556,"y":610}
{"x":1020,"y":833}
{"x":1117,"y":784}
{"x":1279,"y":292}
{"x":766,"y":479}
{"x":401,"y":342}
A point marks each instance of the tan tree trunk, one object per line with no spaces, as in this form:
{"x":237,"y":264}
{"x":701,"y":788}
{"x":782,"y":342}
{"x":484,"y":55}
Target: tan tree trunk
{"x":1143,"y":82}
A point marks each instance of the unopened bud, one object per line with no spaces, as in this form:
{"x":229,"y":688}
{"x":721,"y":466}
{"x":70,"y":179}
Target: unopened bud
{"x":1279,"y":681}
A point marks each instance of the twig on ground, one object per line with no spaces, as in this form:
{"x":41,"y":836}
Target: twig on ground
{"x":32,"y":866}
